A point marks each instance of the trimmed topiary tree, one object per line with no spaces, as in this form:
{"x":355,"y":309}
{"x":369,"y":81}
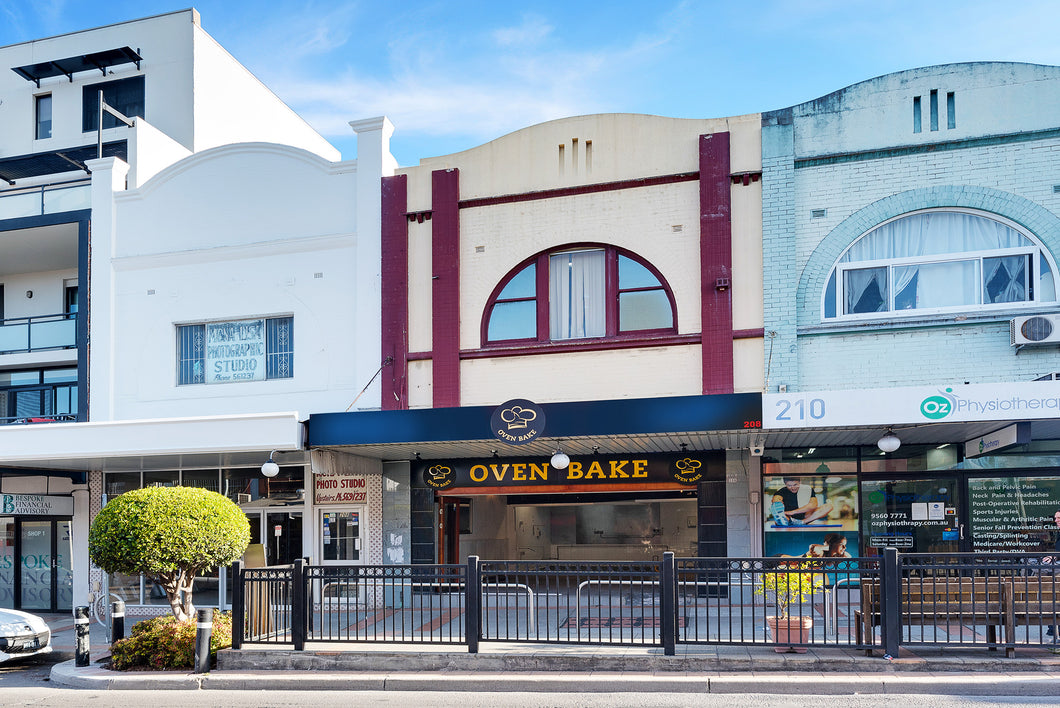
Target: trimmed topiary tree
{"x":170,"y":534}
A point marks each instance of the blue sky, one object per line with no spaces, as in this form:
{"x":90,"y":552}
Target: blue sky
{"x":452,"y":75}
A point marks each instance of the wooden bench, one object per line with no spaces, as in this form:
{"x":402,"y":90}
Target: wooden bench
{"x":954,"y":602}
{"x":1033,"y":601}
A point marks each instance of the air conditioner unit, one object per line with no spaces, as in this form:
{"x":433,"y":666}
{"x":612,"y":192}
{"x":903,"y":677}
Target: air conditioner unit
{"x":242,"y":499}
{"x":1035,"y":329}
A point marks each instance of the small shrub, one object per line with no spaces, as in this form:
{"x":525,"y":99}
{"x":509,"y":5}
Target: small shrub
{"x":167,"y":643}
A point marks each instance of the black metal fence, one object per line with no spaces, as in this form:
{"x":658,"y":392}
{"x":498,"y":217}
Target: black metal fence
{"x":988,"y":601}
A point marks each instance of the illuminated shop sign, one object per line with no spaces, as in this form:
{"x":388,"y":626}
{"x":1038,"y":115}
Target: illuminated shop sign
{"x":1024,"y":400}
{"x":598,"y":471}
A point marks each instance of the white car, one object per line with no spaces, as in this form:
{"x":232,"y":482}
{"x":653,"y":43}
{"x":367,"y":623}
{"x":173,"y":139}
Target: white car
{"x":23,"y":634}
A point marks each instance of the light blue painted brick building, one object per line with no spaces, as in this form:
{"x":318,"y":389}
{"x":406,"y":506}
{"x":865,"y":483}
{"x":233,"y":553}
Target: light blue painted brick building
{"x":911,"y":233}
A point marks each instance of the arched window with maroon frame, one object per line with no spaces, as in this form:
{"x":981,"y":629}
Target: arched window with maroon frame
{"x":579,"y":292}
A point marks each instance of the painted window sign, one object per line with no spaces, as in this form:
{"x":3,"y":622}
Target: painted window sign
{"x":235,"y":351}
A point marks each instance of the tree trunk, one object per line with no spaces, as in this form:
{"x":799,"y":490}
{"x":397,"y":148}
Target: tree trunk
{"x":180,"y":582}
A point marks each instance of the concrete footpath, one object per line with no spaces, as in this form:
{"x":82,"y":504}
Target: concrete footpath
{"x":581,"y":669}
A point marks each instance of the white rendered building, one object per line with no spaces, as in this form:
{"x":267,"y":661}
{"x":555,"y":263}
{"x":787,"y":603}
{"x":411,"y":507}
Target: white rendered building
{"x":160,"y":285}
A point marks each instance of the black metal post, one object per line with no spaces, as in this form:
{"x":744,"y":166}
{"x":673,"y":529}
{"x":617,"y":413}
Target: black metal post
{"x":298,"y":605}
{"x":203,"y":632}
{"x":473,"y":602}
{"x":81,"y":629}
{"x":890,"y":603}
{"x":238,"y":605}
{"x":117,"y":620}
{"x":668,"y":591}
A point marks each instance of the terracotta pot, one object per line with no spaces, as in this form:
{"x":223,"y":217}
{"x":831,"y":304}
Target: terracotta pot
{"x":793,"y":630}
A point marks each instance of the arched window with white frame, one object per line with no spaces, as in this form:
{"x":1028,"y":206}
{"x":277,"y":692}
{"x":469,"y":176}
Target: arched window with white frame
{"x":939,"y":260}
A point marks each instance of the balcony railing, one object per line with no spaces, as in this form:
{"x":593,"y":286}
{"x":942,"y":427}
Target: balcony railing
{"x":45,"y":199}
{"x":39,"y":418}
{"x":34,"y":334}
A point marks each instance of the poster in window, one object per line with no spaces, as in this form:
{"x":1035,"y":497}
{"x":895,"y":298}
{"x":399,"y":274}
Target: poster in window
{"x":811,"y":515}
{"x":235,"y":351}
{"x":1013,"y":514}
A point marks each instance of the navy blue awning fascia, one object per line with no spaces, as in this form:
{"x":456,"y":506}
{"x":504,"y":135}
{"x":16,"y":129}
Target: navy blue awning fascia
{"x":75,"y":476}
{"x":96,"y":61}
{"x":626,"y":416}
{"x":53,"y":162}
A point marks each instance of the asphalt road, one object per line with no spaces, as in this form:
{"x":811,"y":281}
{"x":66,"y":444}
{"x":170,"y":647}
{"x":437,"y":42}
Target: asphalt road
{"x":30,"y":672}
{"x":68,"y":698}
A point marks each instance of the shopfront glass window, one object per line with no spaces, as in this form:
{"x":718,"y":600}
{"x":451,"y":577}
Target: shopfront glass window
{"x":117,"y":483}
{"x":912,"y":515}
{"x":1013,"y":514}
{"x":201,"y":479}
{"x":165,"y":478}
{"x":125,"y":587}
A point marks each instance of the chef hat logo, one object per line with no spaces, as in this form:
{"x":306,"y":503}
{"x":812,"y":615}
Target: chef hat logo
{"x":688,"y":465}
{"x":438,"y":473}
{"x":518,"y":417}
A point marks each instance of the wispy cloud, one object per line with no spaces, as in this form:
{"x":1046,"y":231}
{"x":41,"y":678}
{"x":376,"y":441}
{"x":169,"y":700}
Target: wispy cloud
{"x":533,"y":30}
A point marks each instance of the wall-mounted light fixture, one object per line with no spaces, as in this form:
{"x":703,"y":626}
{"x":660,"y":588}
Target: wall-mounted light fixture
{"x":889,"y":442}
{"x":559,"y":459}
{"x":269,"y":468}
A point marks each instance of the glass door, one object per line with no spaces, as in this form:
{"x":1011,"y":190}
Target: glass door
{"x":45,"y":578}
{"x":341,"y":536}
{"x":283,"y":537}
{"x":7,"y":562}
{"x":912,"y":515}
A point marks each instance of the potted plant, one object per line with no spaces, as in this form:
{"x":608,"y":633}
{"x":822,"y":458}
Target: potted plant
{"x":791,"y":583}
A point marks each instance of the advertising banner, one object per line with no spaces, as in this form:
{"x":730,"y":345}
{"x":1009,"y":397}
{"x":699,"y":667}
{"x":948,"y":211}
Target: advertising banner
{"x":814,"y":516}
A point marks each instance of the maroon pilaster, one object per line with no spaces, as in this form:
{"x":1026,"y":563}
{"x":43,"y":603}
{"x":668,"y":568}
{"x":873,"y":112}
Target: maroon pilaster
{"x":445,"y":287}
{"x":395,"y":285}
{"x":715,"y":248}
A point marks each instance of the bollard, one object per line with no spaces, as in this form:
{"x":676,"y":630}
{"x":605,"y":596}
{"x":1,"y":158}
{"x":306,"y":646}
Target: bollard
{"x":204,"y":628}
{"x":81,"y":627}
{"x":117,"y":621}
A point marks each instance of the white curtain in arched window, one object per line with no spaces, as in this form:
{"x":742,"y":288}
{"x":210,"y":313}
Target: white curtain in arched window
{"x":576,"y":295}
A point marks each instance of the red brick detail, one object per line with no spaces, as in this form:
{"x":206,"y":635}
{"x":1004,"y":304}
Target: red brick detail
{"x":395,"y":289}
{"x":715,"y":248}
{"x":445,"y":287}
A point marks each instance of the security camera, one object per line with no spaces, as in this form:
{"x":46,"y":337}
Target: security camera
{"x":756,"y":450}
